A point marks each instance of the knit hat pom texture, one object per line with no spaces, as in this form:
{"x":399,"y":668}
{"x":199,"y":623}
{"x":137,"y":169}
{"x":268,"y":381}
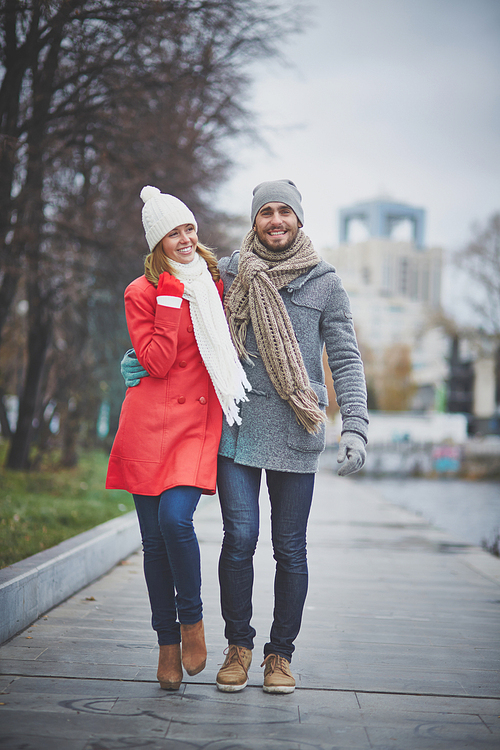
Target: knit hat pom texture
{"x":161,"y":213}
{"x":149,"y":192}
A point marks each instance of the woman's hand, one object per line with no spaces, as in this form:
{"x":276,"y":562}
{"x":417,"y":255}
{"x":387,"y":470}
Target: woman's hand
{"x":170,"y":290}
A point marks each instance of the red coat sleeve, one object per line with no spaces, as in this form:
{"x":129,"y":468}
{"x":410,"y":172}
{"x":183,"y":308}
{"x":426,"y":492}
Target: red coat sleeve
{"x":153,"y":328}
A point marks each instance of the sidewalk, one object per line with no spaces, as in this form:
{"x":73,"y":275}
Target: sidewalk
{"x":399,"y":648}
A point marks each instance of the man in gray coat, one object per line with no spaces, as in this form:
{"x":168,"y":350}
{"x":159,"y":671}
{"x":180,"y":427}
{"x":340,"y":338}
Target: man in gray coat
{"x":284,"y":304}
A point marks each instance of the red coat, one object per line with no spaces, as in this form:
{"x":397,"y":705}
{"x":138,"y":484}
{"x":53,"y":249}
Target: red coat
{"x":170,"y":424}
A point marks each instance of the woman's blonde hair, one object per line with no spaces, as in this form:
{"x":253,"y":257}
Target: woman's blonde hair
{"x":157,"y":262}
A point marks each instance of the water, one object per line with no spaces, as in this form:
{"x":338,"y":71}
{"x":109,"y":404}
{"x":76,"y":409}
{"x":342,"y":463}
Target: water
{"x":468,"y":510}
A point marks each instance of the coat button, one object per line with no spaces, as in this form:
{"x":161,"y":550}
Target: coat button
{"x":190,"y":329}
{"x":182,"y":399}
{"x":202,"y":400}
{"x":183,"y":363}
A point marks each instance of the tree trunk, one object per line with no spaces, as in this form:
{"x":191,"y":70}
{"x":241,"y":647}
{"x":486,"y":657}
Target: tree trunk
{"x":70,"y":429}
{"x":28,"y":234}
{"x":39,"y":323}
{"x":38,"y":344}
{"x":8,"y":289}
{"x":15,"y":62}
{"x":4,"y":422}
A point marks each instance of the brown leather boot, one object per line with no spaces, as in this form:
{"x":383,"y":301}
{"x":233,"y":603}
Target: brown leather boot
{"x":194,"y":650}
{"x":169,"y":673}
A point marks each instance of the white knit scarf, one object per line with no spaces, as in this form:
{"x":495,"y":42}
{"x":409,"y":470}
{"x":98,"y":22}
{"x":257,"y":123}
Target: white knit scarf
{"x":212,"y":336}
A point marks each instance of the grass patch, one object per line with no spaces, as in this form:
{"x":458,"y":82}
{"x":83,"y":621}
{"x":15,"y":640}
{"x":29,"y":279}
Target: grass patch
{"x":42,"y":508}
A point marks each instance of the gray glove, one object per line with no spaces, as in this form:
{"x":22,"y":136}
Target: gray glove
{"x":352,"y":448}
{"x":132,"y":371}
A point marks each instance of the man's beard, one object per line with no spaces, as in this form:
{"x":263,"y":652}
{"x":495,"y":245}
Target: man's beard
{"x":281,"y":248}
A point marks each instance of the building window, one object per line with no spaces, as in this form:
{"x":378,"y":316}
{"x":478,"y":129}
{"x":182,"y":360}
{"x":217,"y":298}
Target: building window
{"x":386,"y":276}
{"x":424,"y":294}
{"x":413,"y":281}
{"x":403,"y":276}
{"x":436,"y":286}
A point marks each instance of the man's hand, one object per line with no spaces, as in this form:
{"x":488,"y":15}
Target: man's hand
{"x":132,"y":371}
{"x":352,"y":452}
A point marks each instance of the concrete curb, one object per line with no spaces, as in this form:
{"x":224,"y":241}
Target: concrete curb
{"x":34,"y":585}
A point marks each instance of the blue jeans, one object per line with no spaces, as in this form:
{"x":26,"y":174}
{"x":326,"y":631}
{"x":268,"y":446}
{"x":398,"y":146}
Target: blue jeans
{"x":171,"y":559}
{"x":290,"y":496}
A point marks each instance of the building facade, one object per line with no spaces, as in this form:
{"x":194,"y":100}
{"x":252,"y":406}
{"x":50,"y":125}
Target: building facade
{"x":395,"y":291}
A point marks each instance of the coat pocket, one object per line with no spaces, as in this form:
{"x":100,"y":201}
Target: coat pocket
{"x":142,"y":422}
{"x":298,"y":438}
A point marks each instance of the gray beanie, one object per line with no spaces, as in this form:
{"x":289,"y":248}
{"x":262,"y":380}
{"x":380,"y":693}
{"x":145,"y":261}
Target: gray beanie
{"x":161,"y":213}
{"x":277,"y":191}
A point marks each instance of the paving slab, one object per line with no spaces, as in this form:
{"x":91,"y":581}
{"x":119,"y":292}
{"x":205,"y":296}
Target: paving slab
{"x":399,"y":648}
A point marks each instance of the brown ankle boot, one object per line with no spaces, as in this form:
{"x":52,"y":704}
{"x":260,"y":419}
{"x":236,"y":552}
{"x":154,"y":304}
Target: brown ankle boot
{"x":194,"y":650}
{"x":169,"y":673}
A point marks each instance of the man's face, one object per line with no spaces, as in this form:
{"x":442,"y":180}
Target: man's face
{"x":276,"y":226}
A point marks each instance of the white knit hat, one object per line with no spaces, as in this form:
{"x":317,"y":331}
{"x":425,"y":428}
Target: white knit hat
{"x":161,"y":213}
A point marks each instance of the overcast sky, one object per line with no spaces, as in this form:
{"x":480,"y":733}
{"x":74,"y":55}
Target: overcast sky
{"x":399,"y":98}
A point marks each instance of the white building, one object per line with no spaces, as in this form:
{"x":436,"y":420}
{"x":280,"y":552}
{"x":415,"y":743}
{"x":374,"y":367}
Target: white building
{"x":395,"y":291}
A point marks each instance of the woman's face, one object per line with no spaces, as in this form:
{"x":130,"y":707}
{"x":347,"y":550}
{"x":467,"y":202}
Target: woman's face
{"x":180,"y":243}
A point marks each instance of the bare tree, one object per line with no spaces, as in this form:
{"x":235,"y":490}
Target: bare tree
{"x":481,"y":261}
{"x":97,"y":97}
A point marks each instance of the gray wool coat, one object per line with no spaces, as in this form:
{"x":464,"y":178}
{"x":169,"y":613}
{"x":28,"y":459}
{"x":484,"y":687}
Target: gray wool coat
{"x":269,"y":436}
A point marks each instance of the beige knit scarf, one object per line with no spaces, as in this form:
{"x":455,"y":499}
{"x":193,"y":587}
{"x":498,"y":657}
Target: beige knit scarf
{"x":254,"y":297}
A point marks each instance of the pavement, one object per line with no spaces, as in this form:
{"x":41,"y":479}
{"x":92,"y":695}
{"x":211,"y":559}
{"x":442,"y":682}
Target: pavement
{"x":399,"y":648}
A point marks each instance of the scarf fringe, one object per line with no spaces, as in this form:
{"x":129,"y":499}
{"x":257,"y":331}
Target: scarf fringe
{"x":238,"y":331}
{"x":307,"y":411}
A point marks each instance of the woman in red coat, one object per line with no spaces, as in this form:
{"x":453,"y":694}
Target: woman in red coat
{"x":165,"y":449}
